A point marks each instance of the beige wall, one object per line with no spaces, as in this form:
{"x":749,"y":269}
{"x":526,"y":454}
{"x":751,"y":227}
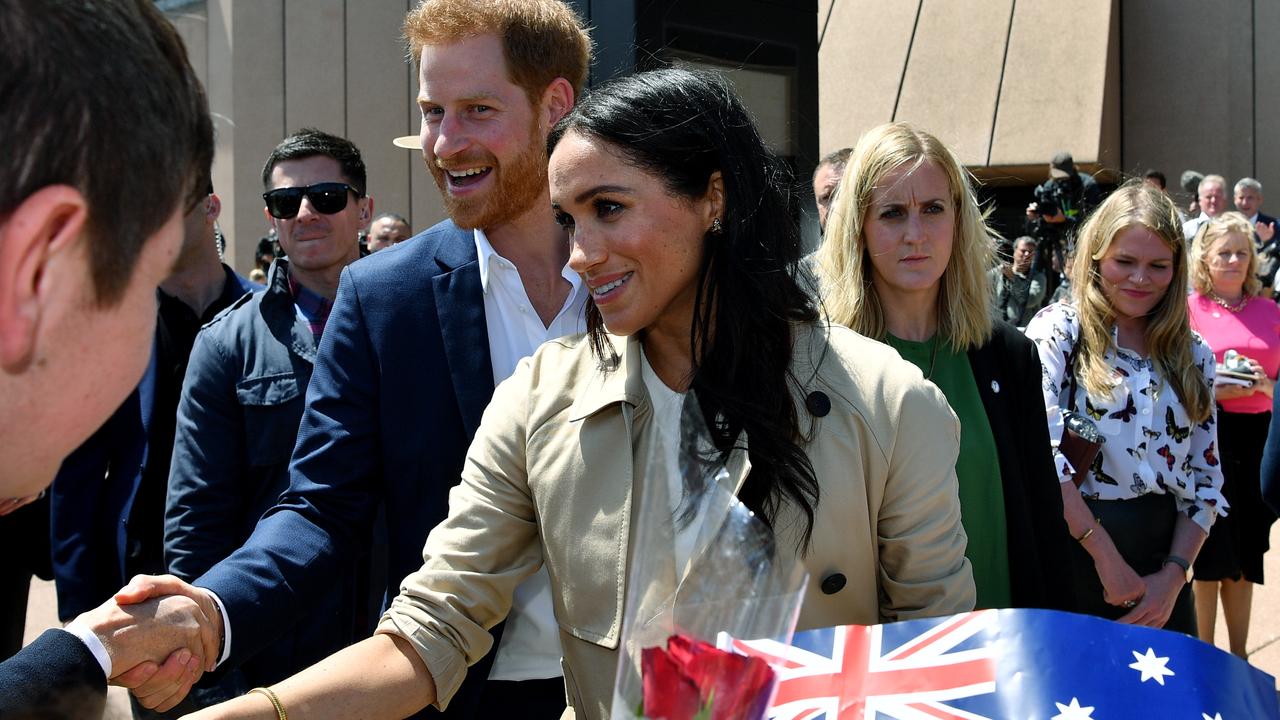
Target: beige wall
{"x":1174,"y":84}
{"x":273,"y":66}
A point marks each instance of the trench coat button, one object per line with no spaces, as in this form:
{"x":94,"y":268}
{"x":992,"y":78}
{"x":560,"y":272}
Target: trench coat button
{"x":833,"y":583}
{"x":818,"y":403}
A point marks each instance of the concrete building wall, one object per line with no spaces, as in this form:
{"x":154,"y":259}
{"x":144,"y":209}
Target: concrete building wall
{"x":271,"y":67}
{"x":1196,"y":90}
{"x":1123,"y":84}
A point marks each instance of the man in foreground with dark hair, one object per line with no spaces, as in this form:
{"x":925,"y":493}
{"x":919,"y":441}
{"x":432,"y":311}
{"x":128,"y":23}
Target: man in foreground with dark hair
{"x":91,"y":206}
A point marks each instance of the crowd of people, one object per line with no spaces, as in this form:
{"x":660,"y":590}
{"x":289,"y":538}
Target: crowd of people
{"x":398,"y":473}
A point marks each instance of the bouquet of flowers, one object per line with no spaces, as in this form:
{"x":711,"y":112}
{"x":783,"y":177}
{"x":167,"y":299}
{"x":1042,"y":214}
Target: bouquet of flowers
{"x":703,"y":565}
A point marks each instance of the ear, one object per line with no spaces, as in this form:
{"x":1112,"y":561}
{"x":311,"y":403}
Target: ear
{"x":214,"y":208}
{"x":557,"y":101}
{"x":45,"y":224}
{"x":272,"y":222}
{"x":366,"y":210}
{"x":714,"y":198}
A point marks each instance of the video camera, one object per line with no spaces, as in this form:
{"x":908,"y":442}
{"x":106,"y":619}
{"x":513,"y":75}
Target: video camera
{"x":1049,"y":198}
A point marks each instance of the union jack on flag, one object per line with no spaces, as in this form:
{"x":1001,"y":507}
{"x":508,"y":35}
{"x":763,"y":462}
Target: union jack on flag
{"x":997,"y":664}
{"x":855,"y":671}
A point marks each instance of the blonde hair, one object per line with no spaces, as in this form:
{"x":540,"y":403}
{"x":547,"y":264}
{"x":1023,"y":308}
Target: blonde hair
{"x":1210,"y":232}
{"x":1168,"y":332}
{"x":844,"y":266}
{"x":541,"y":39}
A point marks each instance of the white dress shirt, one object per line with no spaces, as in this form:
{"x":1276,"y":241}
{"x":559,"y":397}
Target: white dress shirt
{"x":530,"y":646}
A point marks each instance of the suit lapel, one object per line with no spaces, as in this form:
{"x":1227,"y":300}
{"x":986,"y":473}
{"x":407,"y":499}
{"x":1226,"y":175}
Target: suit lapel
{"x":460,"y":308}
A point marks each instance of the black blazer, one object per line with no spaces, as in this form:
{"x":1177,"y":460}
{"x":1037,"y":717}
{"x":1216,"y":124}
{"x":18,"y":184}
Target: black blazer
{"x":55,"y":677}
{"x":1007,"y":370}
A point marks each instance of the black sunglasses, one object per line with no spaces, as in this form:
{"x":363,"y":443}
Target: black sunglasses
{"x":327,"y":198}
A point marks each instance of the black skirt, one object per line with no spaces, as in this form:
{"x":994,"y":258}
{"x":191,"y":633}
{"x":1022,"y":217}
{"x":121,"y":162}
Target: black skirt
{"x":1237,"y":542}
{"x":1142,"y":530}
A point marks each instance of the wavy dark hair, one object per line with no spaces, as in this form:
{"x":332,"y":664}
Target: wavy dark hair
{"x":682,"y":126}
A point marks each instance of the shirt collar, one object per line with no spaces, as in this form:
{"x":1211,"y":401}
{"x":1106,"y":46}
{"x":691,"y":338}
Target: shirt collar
{"x":309,"y":302}
{"x":486,"y":254}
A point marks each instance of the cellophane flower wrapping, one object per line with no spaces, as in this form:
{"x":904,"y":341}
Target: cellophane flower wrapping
{"x":702,"y":565}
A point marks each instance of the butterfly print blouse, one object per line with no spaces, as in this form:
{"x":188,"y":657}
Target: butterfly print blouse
{"x":1150,"y":446}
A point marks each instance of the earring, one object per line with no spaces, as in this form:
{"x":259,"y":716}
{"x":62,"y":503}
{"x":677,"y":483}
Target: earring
{"x":716,"y":227}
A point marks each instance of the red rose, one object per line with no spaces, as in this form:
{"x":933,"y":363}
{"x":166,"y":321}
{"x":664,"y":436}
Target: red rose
{"x":691,"y":676}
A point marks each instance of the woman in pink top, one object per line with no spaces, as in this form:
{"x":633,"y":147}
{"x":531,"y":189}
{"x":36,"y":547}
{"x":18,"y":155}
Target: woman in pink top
{"x":1228,"y":311}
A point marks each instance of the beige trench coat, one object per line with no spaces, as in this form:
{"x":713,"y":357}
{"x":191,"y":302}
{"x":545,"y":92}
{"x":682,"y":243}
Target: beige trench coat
{"x":550,"y":476}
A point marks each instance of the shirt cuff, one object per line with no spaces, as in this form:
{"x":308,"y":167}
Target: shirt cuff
{"x":226,"y":627}
{"x":91,"y":641}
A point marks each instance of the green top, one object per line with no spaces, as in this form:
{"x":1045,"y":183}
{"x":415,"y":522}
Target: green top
{"x":977,"y":467}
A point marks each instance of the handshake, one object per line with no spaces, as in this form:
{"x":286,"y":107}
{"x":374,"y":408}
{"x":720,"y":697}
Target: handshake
{"x":161,"y":635}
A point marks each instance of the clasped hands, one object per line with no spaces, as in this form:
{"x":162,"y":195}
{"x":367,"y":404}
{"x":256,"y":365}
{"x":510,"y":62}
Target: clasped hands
{"x":161,"y":635}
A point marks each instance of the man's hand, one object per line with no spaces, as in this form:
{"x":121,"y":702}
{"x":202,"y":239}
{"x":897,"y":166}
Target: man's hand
{"x":139,"y":637}
{"x":1265,"y":231}
{"x":144,"y":587}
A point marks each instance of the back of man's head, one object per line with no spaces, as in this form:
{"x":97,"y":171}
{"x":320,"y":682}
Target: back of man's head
{"x":309,"y":142}
{"x":99,"y":96}
{"x":541,"y":39}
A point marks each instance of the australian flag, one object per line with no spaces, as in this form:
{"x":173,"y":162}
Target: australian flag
{"x":1015,"y":664}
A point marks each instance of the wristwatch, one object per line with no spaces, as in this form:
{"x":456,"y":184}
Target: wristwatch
{"x":1180,"y":562}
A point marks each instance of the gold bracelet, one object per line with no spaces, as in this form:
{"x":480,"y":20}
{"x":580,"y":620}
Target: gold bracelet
{"x":275,"y":701}
{"x":1085,"y":536}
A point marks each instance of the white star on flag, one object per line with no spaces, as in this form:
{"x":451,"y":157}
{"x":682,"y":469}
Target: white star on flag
{"x":1151,"y":667}
{"x":1216,"y":716}
{"x":1073,"y":711}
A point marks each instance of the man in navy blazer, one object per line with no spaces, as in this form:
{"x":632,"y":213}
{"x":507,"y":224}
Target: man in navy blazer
{"x":107,"y":135}
{"x":416,"y":337}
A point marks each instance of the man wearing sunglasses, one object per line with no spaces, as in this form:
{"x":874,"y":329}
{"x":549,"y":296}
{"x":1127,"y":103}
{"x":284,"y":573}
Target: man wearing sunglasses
{"x":418,"y":337}
{"x":245,"y":386}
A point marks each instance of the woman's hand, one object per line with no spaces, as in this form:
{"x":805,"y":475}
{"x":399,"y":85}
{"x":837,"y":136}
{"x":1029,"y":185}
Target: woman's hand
{"x":1120,"y":584}
{"x":1263,"y":384}
{"x":1155,"y":608}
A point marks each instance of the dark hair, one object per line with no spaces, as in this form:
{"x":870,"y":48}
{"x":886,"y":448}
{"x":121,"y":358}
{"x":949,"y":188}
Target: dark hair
{"x":309,"y":142}
{"x":100,"y":96}
{"x":682,"y":126}
{"x":1156,"y":175}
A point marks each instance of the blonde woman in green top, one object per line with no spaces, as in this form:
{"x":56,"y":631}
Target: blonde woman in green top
{"x":905,"y":260}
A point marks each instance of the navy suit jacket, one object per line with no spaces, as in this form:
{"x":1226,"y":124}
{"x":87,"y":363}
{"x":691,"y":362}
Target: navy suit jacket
{"x":401,"y":380}
{"x":55,"y":677}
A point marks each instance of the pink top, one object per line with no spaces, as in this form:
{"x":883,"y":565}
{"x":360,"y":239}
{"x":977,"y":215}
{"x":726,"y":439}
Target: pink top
{"x":1253,"y":332}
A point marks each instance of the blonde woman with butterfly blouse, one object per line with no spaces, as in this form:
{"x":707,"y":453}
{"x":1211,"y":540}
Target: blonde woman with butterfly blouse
{"x":1122,"y":353}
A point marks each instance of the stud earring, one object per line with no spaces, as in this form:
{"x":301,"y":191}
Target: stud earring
{"x":716,"y":227}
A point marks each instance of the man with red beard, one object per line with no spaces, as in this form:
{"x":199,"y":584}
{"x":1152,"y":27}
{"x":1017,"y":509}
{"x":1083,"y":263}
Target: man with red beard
{"x":417,"y":338}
